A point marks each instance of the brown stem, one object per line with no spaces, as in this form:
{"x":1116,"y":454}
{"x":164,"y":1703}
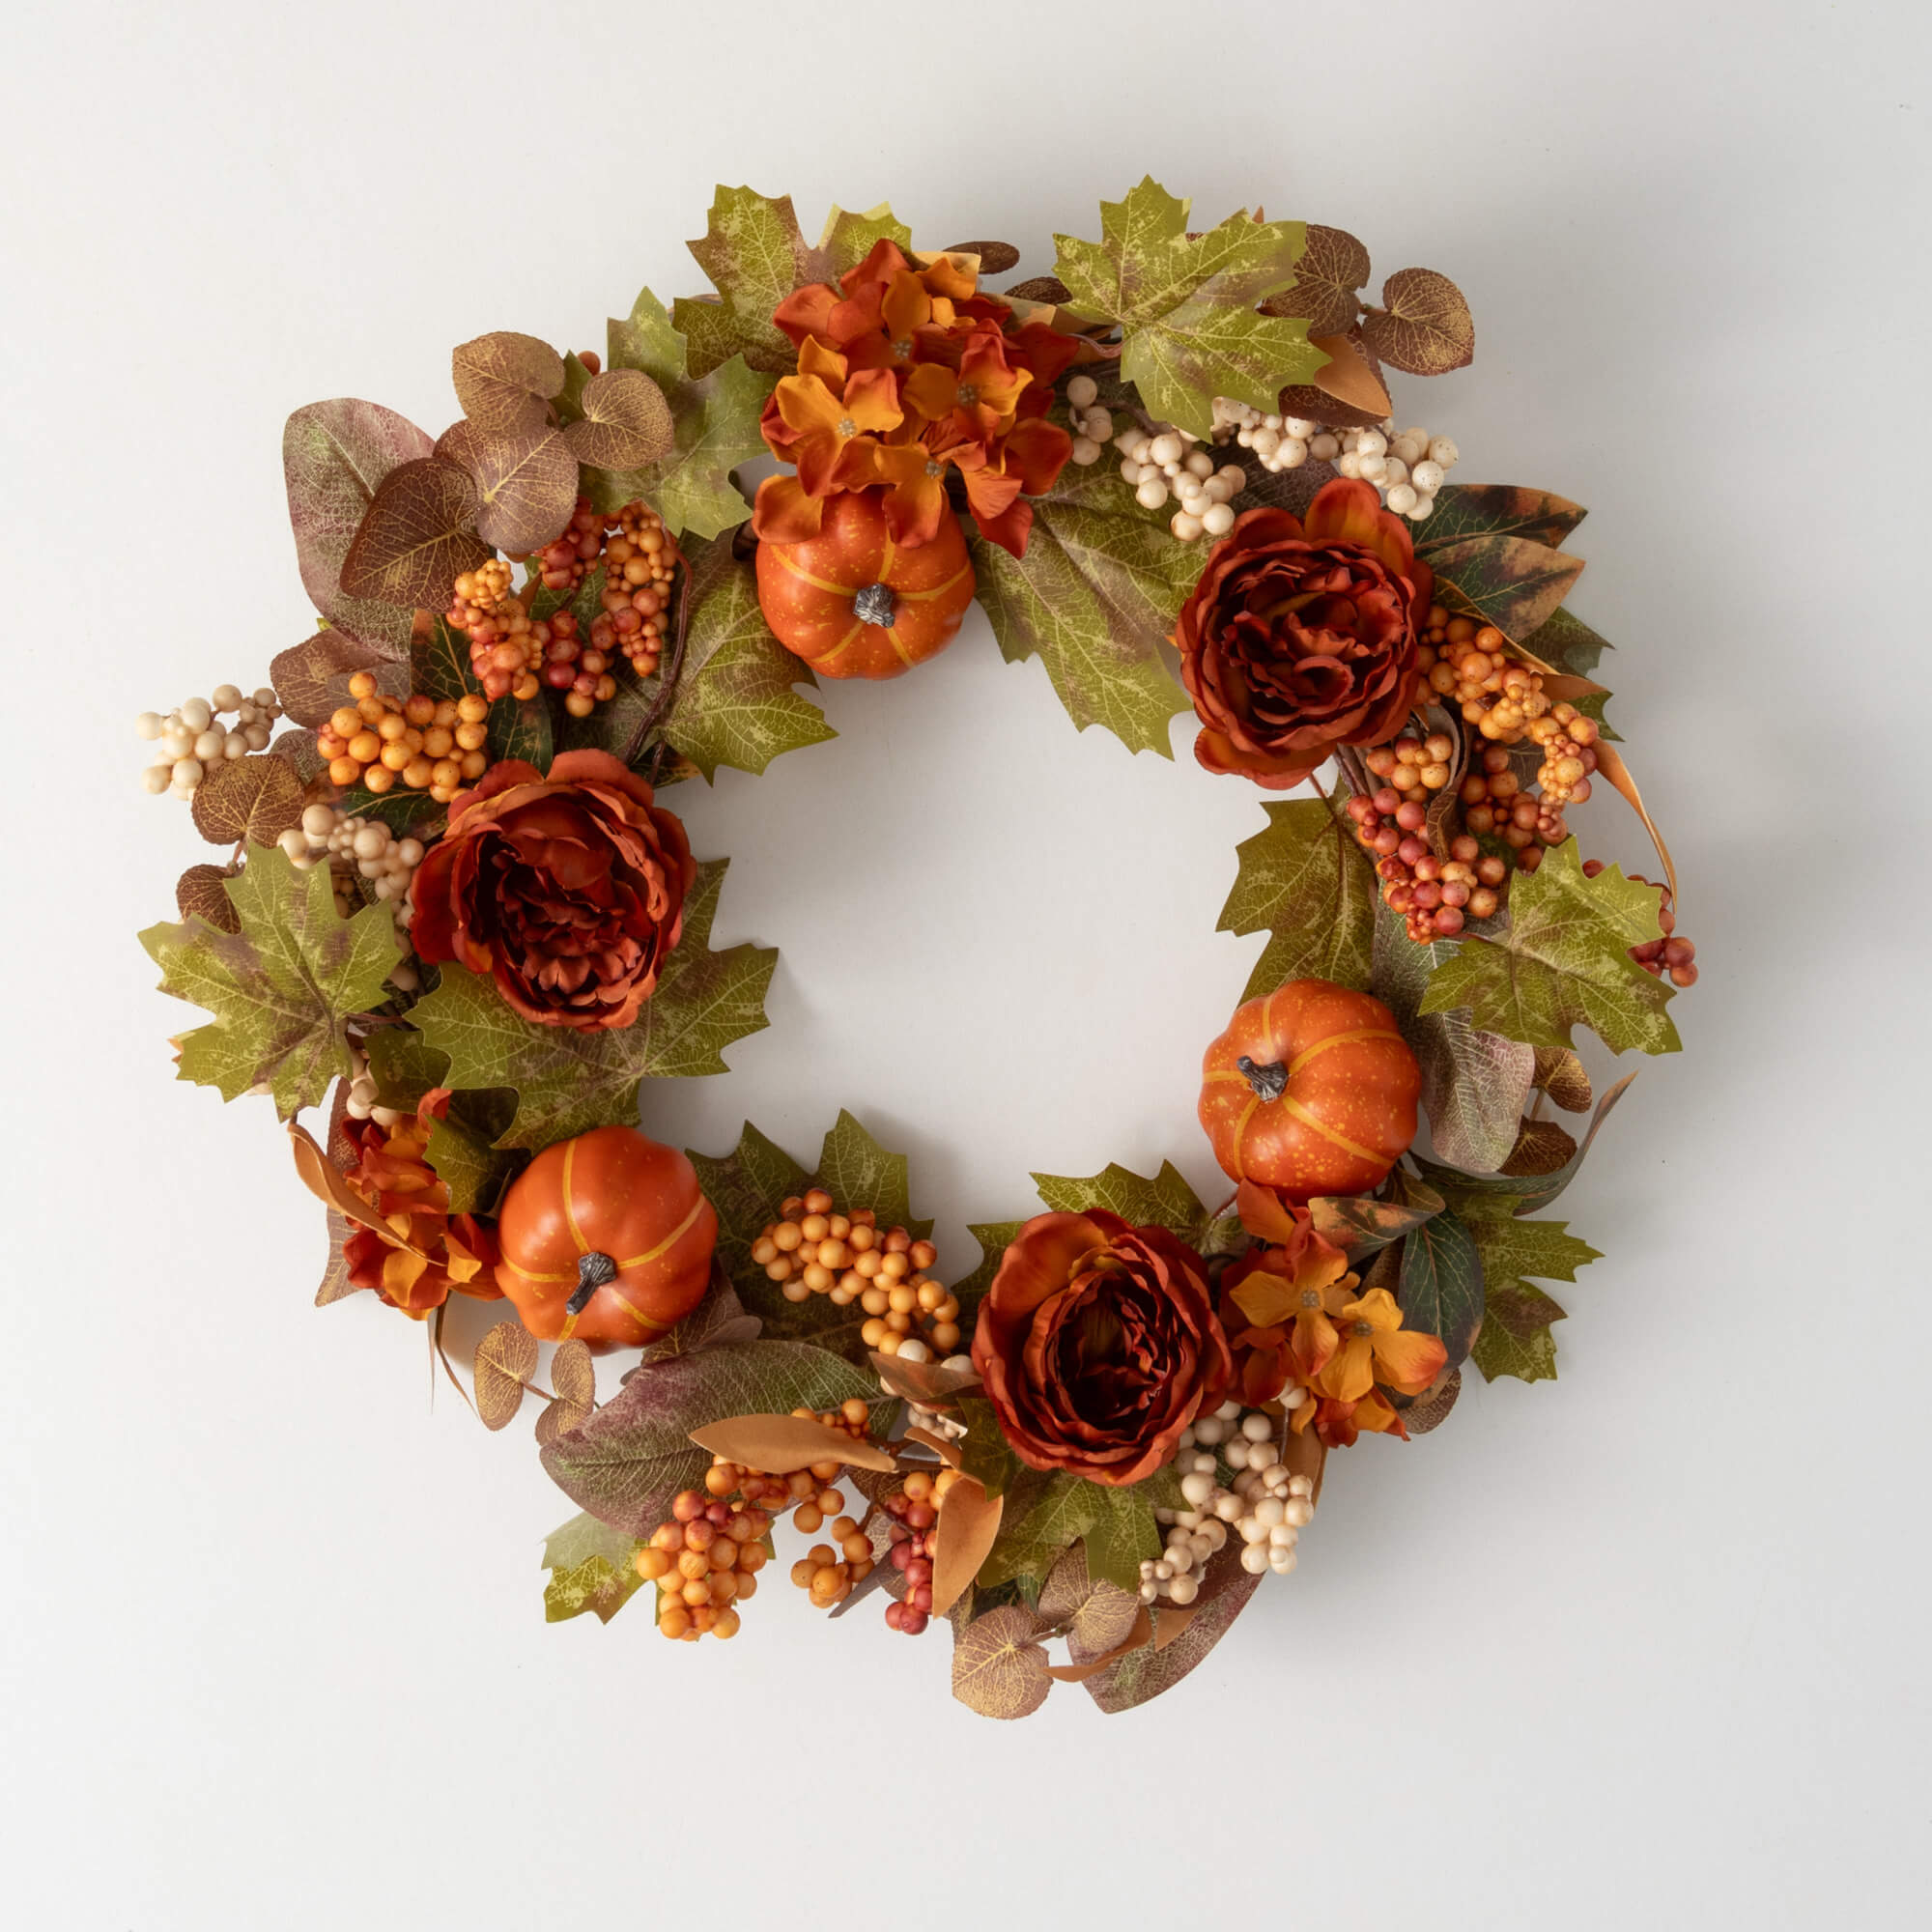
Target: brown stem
{"x":1269,"y":1082}
{"x":594,"y":1270}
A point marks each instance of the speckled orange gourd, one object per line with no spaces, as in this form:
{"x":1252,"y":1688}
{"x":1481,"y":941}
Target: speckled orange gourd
{"x":813,"y":593}
{"x":1345,"y":1111}
{"x":628,"y":1206}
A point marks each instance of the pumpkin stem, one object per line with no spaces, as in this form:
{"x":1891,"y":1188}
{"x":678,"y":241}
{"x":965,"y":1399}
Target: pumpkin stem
{"x":593,"y":1272}
{"x":875,"y":605}
{"x":1269,"y":1082}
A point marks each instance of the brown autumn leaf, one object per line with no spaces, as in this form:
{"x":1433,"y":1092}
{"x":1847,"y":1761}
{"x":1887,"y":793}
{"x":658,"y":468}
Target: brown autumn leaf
{"x":779,"y":1444}
{"x":1305,"y":1454}
{"x":1541,"y":1147}
{"x":1332,"y":266}
{"x":999,"y":1667}
{"x":199,"y":894}
{"x":969,"y":1522}
{"x":504,"y":381}
{"x":323,"y":1180}
{"x":1561,"y":1075}
{"x":335,"y":1284}
{"x":926,"y":1383}
{"x":525,"y":483}
{"x":506,"y":1358}
{"x":1430,"y":1408}
{"x":1318,"y":402}
{"x":626,"y":421}
{"x":1423,"y":326}
{"x":297,"y":747}
{"x":995,"y":257}
{"x":1349,"y":377}
{"x":1048,"y":289}
{"x":256,"y":797}
{"x":1096,"y":1615}
{"x":303,"y":674}
{"x":573,"y":1380}
{"x":1361,"y":1224}
{"x":419,"y":534}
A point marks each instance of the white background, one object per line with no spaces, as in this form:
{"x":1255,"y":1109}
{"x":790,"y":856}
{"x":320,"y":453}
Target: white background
{"x":1643,"y":1646}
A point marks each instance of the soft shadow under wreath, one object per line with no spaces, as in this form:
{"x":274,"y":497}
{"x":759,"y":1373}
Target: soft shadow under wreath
{"x":458,"y":916}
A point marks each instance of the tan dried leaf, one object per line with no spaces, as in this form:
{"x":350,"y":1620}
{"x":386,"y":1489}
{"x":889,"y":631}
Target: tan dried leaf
{"x":1541,"y":1147}
{"x":1040,"y":288}
{"x":1329,"y":271}
{"x":506,"y":1358}
{"x":199,"y":894}
{"x":1139,"y":1633}
{"x":1349,"y":377}
{"x":573,"y":1380}
{"x":256,"y":797}
{"x":418,"y":535}
{"x":944,"y":1447}
{"x":626,"y":422}
{"x":969,"y":1522}
{"x":1099,"y":1616}
{"x":779,"y":1444}
{"x":504,"y":380}
{"x":1424,"y":325}
{"x":525,"y":483}
{"x":923,"y":1382}
{"x":1319,"y":403}
{"x":301,"y":674}
{"x":1430,"y":1408}
{"x":323,"y":1180}
{"x":335,"y":1283}
{"x":999,"y":1668}
{"x":1561,"y":1075}
{"x":1306,"y":1455}
{"x":995,"y":257}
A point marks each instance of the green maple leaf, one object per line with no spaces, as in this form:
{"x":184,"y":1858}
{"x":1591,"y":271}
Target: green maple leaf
{"x":994,"y":1237}
{"x":714,"y":427}
{"x":857,"y":1171}
{"x":1121,"y":1536}
{"x":1517,"y":1316}
{"x":282,"y":988}
{"x":746,"y":1187}
{"x":849,"y":238}
{"x":567,"y":1082}
{"x":1093,"y":598}
{"x":734,"y":703}
{"x":1045,"y":1516}
{"x":1186,"y":305}
{"x":755,"y":254}
{"x":591,"y":1569}
{"x":1563,"y":963}
{"x":1166,"y":1201}
{"x":1306,"y":883}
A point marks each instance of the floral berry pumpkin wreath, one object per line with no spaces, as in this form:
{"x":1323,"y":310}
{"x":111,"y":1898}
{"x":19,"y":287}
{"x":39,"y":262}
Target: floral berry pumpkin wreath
{"x":457,"y":916}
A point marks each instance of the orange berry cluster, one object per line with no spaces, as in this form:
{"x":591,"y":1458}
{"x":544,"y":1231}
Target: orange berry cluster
{"x":1435,"y":896}
{"x":914,"y":1513}
{"x":514,"y":655}
{"x":816,"y":1249}
{"x":639,"y":562}
{"x":427,"y":743}
{"x":1413,"y":767}
{"x":706,"y":1558}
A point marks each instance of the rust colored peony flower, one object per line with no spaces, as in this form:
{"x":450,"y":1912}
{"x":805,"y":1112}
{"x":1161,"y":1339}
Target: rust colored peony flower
{"x":1301,"y":635}
{"x":456,"y":1253}
{"x":569,"y":890}
{"x":1097,"y":1346}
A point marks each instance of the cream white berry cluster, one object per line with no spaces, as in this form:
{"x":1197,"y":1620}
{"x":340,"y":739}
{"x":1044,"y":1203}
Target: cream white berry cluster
{"x":359,"y":1103}
{"x":1406,"y":468}
{"x":192,"y":738}
{"x":1266,"y":1507}
{"x":363,"y":848}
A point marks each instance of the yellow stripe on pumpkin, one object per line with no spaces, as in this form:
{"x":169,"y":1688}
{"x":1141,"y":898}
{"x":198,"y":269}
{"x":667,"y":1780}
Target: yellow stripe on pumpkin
{"x":845,"y":642}
{"x":569,"y":1212}
{"x":940,"y":591}
{"x":1327,"y":1133}
{"x":1321,"y":1046}
{"x":798,"y":570}
{"x":682,"y":1229}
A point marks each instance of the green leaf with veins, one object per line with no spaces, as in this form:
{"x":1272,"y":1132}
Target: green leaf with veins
{"x":713,"y":424}
{"x":567,"y":1081}
{"x":1186,"y":304}
{"x":994,"y":1237}
{"x":1474,"y":1084}
{"x":1094,"y":599}
{"x":1516,"y":1316}
{"x":753,"y":253}
{"x":592,"y":1568}
{"x":1166,"y":1201}
{"x":1121,"y":1536}
{"x":1045,"y":1516}
{"x":282,"y":988}
{"x":1440,"y":1285}
{"x":1464,"y":510}
{"x":1307,"y":884}
{"x":746,"y":1187}
{"x":734,"y":703}
{"x":849,"y":238}
{"x":1564,"y":963}
{"x":857,"y":1171}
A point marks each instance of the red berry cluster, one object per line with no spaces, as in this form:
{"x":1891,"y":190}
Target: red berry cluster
{"x":1435,"y":896}
{"x":915,"y":1515}
{"x":1670,"y":955}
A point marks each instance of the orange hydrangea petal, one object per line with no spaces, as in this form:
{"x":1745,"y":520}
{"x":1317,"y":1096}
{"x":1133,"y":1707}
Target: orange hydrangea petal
{"x":872,"y":401}
{"x":807,"y":406}
{"x":1409,"y":1360}
{"x":783,"y":513}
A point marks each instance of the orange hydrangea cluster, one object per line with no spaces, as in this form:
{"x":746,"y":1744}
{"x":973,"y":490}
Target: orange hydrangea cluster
{"x":446,"y":1252}
{"x":906,"y":371}
{"x":1296,"y":1317}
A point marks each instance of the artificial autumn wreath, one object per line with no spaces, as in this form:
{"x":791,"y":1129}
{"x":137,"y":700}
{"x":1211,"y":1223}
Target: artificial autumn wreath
{"x":458,"y":916}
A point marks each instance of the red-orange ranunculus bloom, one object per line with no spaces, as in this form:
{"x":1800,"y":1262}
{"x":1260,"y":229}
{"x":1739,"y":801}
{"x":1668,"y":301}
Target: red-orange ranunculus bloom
{"x":1301,"y":635}
{"x":1097,"y":1346}
{"x":456,"y":1252}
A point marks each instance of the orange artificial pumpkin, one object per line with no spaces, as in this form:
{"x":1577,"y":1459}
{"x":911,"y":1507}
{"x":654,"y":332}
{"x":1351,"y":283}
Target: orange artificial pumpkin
{"x":606,"y":1238}
{"x":1311,"y":1091}
{"x":852,"y":603}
